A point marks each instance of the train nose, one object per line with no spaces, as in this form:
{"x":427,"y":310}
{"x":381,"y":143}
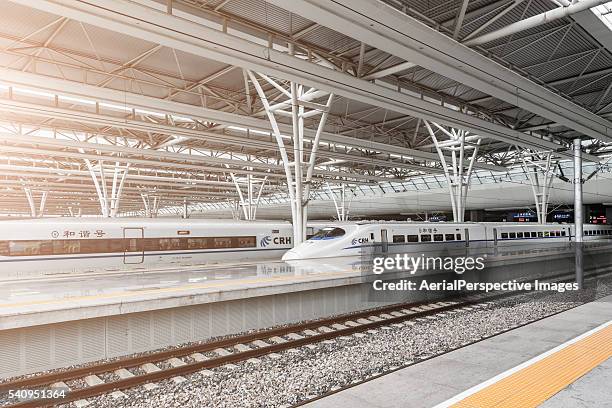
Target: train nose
{"x":291,"y":255}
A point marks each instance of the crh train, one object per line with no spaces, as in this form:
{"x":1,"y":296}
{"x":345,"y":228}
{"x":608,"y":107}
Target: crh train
{"x":352,"y":239}
{"x":58,"y":245}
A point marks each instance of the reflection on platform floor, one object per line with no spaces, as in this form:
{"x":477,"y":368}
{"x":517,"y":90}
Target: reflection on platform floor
{"x":217,"y":276}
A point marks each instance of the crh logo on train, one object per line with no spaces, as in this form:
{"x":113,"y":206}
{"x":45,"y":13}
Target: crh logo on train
{"x":362,"y":240}
{"x":265,"y":241}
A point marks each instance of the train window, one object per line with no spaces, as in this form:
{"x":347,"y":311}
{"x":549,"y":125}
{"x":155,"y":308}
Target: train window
{"x":222,"y":242}
{"x":197,"y":243}
{"x":72,"y":246}
{"x":546,"y":234}
{"x":540,"y":234}
{"x":151,"y":244}
{"x":438,"y":237}
{"x":504,"y":235}
{"x":512,"y":235}
{"x":426,"y":238}
{"x":458,"y":237}
{"x":4,"y":248}
{"x":116,"y":245}
{"x":134,"y":245}
{"x":534,"y":234}
{"x":519,"y":235}
{"x":246,"y":242}
{"x":412,"y":238}
{"x":449,"y":237}
{"x":563,"y":233}
{"x":399,"y":238}
{"x":166,"y":244}
{"x":329,"y":233}
{"x":25,"y":248}
{"x":93,"y":246}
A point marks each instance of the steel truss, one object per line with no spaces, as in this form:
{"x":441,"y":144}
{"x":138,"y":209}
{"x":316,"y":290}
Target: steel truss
{"x":299,"y":99}
{"x":455,"y":171}
{"x":541,"y":172}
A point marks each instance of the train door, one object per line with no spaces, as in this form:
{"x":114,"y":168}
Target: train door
{"x":133,"y":252}
{"x":384,"y":239}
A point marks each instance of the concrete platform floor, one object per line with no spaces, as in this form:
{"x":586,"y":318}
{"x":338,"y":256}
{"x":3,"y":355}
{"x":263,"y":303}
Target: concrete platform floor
{"x":32,"y":302}
{"x":592,"y":390}
{"x":434,"y":382}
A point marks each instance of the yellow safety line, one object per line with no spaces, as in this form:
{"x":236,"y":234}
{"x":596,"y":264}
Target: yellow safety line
{"x":174,"y":289}
{"x":532,"y":385}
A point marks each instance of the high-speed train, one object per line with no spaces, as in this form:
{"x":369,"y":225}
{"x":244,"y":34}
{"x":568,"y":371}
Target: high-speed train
{"x":354,"y":239}
{"x":87,"y":244}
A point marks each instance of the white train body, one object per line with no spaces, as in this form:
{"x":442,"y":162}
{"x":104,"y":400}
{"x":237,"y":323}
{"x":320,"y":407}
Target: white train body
{"x":64,"y":245}
{"x":354,"y":239}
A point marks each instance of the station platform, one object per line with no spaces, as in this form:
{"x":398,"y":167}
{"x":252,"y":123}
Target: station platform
{"x":562,"y":361}
{"x":65,"y":320}
{"x":31,"y":302}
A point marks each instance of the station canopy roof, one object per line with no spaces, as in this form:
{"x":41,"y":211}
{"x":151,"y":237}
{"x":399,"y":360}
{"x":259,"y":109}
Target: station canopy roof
{"x":162,"y":91}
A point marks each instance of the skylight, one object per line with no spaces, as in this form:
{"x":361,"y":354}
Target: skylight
{"x":604,"y":12}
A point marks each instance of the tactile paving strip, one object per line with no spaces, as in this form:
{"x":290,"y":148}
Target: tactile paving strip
{"x":534,"y":384}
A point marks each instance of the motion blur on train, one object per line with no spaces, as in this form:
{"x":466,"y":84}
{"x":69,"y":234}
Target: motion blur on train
{"x":89,"y":244}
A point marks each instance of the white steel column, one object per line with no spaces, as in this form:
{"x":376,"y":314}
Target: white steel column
{"x":250,"y":204}
{"x":578,"y":210}
{"x":97,"y":185}
{"x":300,"y":101}
{"x":117,"y":188}
{"x":151,"y":208}
{"x":43,"y":201}
{"x":342,"y":208}
{"x":109,"y":203}
{"x":456,"y":173}
{"x":34,"y":210}
{"x":541,"y":182}
{"x":30,"y":198}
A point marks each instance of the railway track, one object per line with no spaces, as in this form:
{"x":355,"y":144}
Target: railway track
{"x":175,"y":363}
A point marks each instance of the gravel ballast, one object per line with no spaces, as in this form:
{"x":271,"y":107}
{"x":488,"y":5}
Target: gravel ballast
{"x":304,"y":373}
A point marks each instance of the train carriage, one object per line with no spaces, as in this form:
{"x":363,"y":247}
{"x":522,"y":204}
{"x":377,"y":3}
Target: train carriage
{"x":88,"y":244}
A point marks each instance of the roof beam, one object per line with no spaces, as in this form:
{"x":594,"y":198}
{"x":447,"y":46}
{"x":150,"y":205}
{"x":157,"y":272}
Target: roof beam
{"x":185,"y":134}
{"x":153,"y":25}
{"x":535,"y":21}
{"x":184,"y":164}
{"x":147,"y":103}
{"x":389,"y":71}
{"x":386,"y":28}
